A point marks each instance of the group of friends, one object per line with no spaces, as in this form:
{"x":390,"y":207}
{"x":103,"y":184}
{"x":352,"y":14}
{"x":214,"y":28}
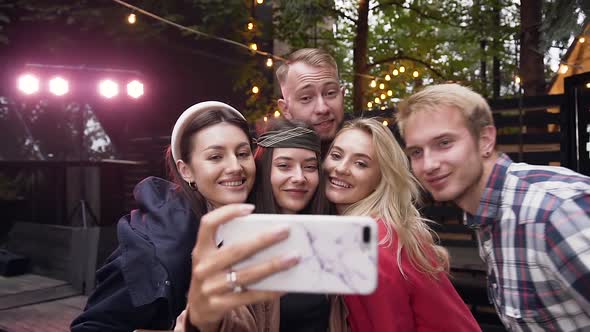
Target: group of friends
{"x":171,"y":272}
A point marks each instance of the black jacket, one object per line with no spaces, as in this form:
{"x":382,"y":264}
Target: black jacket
{"x":143,"y":284}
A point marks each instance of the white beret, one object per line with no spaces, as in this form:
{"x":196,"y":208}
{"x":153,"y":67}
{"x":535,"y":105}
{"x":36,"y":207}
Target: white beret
{"x":186,"y":117}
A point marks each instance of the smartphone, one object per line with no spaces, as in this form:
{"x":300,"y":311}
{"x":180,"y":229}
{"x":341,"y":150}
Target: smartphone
{"x":338,"y":253}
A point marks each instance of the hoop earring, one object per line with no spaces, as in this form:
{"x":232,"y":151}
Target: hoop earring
{"x":193,"y":185}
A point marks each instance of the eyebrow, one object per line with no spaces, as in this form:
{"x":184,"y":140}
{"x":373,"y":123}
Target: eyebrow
{"x":358,"y":154}
{"x":289,"y":158}
{"x":309,"y":85}
{"x":303,"y":88}
{"x":411,"y":147}
{"x":221,"y":147}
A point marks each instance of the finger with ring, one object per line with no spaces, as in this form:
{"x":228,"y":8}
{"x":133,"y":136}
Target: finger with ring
{"x":232,"y":282}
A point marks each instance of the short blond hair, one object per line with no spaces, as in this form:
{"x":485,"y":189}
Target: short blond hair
{"x":315,"y":57}
{"x":472,"y":105}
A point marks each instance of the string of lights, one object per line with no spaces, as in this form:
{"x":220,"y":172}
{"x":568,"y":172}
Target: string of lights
{"x":252,"y":47}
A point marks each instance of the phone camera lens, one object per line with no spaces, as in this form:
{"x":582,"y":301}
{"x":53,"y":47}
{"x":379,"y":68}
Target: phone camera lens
{"x":366,"y":234}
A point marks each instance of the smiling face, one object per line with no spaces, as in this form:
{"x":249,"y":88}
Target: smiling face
{"x":352,"y":168}
{"x":221,"y":164}
{"x":313,"y":95}
{"x":444,"y":154}
{"x":294,"y":178}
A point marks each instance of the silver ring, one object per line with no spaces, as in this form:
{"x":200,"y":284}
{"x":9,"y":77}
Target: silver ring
{"x":232,"y":281}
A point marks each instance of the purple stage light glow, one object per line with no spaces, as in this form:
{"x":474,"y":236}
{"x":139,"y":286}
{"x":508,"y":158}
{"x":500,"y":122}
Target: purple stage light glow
{"x":108,"y":88}
{"x":28,"y":84}
{"x":135,"y":89}
{"x":59,"y":86}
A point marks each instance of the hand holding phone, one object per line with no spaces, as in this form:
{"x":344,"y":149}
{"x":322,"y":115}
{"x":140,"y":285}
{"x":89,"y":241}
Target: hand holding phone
{"x":338,"y":253}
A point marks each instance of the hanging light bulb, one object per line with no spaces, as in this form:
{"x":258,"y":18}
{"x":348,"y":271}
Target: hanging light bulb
{"x":517,"y":79}
{"x":402,"y":69}
{"x":385,"y":123}
{"x":588,"y":85}
{"x":250,"y":25}
{"x":255,"y":89}
{"x":265,"y":119}
{"x":387,"y":77}
{"x":253,"y":47}
{"x":377,"y":100}
{"x":131,"y":18}
{"x":395,"y":72}
{"x":260,"y":2}
{"x":582,"y":40}
{"x":389,"y":93}
{"x":383,"y":108}
{"x":373,"y":84}
{"x":563,"y":69}
{"x":269,"y":62}
{"x":415,"y":73}
{"x":277,"y":114}
{"x":381,"y":86}
{"x":369,"y":105}
{"x":382,"y":96}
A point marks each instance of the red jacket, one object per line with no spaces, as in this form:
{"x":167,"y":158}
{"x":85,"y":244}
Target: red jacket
{"x":416,"y":303}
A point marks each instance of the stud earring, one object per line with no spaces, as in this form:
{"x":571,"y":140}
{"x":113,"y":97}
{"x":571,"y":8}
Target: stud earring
{"x":193,"y":185}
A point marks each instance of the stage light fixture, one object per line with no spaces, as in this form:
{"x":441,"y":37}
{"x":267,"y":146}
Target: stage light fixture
{"x":108,"y":88}
{"x":28,"y":84}
{"x":135,"y":89}
{"x":59,"y":86}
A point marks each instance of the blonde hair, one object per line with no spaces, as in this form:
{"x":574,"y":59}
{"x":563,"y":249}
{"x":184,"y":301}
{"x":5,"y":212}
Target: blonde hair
{"x":394,"y":202}
{"x":473,"y":106}
{"x":314,"y":57}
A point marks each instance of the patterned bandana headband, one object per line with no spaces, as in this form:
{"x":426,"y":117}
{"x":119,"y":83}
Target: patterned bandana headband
{"x":298,"y":137}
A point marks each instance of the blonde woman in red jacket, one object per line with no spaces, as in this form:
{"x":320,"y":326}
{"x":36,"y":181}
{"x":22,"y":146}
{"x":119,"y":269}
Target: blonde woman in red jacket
{"x":368,"y":174}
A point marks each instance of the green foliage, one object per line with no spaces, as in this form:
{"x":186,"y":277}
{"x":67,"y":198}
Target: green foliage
{"x":442,"y":40}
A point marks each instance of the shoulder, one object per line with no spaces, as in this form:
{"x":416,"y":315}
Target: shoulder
{"x":153,"y":192}
{"x":149,"y":260}
{"x":533,"y":193}
{"x":558,"y":182}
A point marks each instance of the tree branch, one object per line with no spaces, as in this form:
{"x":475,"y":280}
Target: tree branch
{"x":405,"y":57}
{"x":416,"y":10}
{"x":339,"y":13}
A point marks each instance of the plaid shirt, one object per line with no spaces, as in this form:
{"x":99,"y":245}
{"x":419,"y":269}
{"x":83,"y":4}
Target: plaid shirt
{"x":533,"y":227}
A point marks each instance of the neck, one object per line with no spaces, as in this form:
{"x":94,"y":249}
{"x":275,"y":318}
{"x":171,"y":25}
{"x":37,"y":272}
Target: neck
{"x":340,"y":208}
{"x":470,"y":199}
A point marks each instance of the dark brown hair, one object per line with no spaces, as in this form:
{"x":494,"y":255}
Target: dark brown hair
{"x":263,"y":194}
{"x":199,"y":122}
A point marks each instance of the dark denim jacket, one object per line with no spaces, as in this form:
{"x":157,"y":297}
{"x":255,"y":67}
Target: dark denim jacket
{"x":144,"y":282}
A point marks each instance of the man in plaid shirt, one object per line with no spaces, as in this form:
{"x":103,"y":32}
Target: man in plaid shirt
{"x":532,"y":222}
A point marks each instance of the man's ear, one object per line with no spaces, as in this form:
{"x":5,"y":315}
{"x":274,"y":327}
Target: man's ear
{"x":184,"y":170}
{"x":343,"y":91}
{"x":487,"y":140}
{"x":282,"y":103}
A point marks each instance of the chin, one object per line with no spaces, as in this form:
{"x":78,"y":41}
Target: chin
{"x":445,"y":196}
{"x":235,"y":199}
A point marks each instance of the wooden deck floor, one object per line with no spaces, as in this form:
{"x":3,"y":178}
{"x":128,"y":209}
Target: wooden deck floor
{"x":35,"y":303}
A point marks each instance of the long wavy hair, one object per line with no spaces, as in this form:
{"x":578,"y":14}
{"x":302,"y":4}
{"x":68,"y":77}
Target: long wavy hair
{"x":394,"y":201}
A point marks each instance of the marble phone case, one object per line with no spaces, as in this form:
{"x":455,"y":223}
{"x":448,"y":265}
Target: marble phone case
{"x":338,"y":253}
